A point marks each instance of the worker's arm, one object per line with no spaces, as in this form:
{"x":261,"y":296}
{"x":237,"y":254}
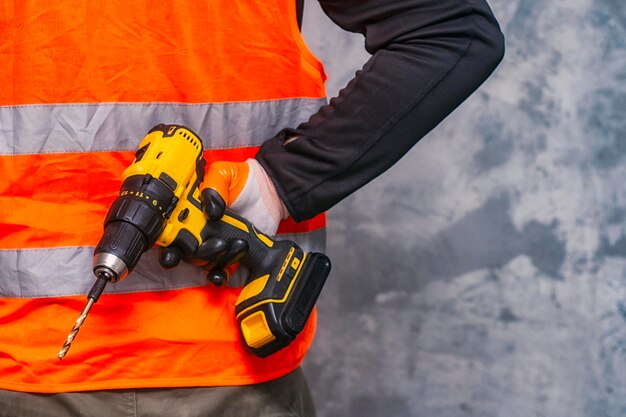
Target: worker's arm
{"x":428,"y":56}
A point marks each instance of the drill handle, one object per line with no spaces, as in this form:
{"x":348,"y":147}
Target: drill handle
{"x":264,"y":254}
{"x":273,"y":308}
{"x":285,"y":283}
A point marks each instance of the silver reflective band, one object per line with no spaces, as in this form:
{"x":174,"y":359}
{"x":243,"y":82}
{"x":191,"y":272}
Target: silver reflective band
{"x":31,"y":129}
{"x":59,"y":272}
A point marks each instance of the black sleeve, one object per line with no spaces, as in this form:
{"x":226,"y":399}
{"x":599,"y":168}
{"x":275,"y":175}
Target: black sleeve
{"x":428,"y":56}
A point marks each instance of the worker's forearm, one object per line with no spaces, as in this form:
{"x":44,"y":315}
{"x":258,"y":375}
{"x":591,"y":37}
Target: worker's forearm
{"x":428,"y":56}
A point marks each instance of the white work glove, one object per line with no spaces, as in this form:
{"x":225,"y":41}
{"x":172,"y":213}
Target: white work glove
{"x":245,"y":188}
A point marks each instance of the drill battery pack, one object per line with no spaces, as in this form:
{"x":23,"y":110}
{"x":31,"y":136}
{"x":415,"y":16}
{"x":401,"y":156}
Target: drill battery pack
{"x":273,"y":309}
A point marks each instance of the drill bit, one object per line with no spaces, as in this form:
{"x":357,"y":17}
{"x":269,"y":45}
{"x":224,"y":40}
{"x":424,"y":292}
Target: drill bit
{"x":92,"y":297}
{"x":76,"y":328}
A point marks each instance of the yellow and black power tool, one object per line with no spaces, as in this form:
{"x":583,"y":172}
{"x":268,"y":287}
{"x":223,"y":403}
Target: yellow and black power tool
{"x":159,"y":202}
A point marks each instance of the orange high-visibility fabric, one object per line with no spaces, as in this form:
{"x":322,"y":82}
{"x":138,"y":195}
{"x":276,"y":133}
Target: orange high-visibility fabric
{"x":140,"y":51}
{"x":34,"y":196}
{"x":163,"y":346}
{"x":89,"y":51}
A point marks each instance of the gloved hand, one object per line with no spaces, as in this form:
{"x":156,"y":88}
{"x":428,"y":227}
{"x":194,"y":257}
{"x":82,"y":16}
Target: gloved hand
{"x":246,"y":189}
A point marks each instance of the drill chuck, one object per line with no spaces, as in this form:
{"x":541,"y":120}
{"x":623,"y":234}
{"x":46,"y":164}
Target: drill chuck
{"x":109,"y":266}
{"x":133,"y":224}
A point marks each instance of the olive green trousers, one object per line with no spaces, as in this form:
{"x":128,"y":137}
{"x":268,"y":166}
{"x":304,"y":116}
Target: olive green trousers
{"x":288,"y":396}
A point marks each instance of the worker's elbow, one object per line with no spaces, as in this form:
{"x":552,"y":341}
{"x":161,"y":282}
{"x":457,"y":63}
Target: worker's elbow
{"x":497,"y":47}
{"x":491,"y":40}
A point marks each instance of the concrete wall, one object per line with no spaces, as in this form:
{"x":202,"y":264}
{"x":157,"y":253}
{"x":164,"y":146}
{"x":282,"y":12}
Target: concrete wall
{"x":485,"y":274}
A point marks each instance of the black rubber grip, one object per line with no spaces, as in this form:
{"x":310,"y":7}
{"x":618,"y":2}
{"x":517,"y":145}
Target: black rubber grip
{"x":124,"y":240}
{"x":263,"y":252}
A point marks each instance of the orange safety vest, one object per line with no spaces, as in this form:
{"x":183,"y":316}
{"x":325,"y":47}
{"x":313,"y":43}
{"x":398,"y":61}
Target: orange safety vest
{"x":81,"y":83}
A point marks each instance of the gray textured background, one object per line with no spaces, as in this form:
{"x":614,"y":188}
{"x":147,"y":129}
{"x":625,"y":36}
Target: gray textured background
{"x":484,"y":275}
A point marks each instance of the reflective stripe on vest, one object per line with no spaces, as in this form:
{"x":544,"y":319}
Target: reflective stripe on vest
{"x":27,"y":272}
{"x":120,"y":126}
{"x":82,"y":83}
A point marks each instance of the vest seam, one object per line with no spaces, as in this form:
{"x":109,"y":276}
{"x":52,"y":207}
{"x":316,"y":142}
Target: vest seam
{"x":151,"y":290}
{"x":155,"y":382}
{"x":169,"y":103}
{"x":134,"y":403}
{"x":118,"y":150}
{"x":308,"y":232}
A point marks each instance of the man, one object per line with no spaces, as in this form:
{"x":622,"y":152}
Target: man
{"x":84,"y":81}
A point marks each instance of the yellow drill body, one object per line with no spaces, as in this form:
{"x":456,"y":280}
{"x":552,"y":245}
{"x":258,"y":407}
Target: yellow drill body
{"x":159,"y":203}
{"x":175,"y":157}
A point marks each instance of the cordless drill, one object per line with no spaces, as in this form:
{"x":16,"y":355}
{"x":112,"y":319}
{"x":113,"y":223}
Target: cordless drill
{"x":159,"y":202}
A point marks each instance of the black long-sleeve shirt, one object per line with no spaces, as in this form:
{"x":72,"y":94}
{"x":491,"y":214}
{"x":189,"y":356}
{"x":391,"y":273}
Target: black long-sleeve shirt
{"x":428,"y":56}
